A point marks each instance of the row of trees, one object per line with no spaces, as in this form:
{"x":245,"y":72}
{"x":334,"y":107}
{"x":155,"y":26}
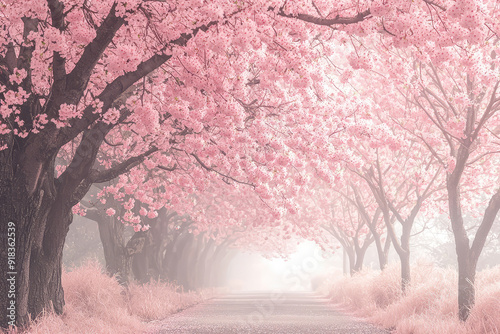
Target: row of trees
{"x":180,"y":85}
{"x":352,"y":114}
{"x":428,"y":141}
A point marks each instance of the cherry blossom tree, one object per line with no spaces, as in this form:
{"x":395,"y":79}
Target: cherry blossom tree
{"x":226,"y":89}
{"x":350,"y":229}
{"x":71,"y":71}
{"x":466,"y":134}
{"x":440,"y":86}
{"x":372,"y":216}
{"x":401,"y":182}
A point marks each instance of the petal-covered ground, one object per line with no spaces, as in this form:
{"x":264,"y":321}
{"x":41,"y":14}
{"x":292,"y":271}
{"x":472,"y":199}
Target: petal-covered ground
{"x":265,"y":312}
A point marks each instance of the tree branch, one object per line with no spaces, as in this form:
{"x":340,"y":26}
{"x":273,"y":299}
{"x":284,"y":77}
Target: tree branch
{"x":58,"y":62}
{"x":210,"y":169}
{"x":114,"y":89}
{"x":123,"y":167}
{"x":325,"y":22}
{"x":482,"y":232}
{"x":79,"y":76}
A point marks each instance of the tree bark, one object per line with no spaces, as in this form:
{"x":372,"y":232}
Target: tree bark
{"x":111,"y":235}
{"x":46,"y":261}
{"x":405,"y":271}
{"x":351,"y":258}
{"x":360,"y":257}
{"x":118,"y":255}
{"x":28,"y":204}
{"x":467,"y":256}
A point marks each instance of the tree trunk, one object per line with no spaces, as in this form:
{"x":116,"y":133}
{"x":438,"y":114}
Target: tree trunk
{"x":118,"y":256}
{"x":189,"y":262}
{"x":143,"y":258}
{"x":384,"y":255}
{"x":18,"y":226}
{"x":46,"y":261}
{"x":141,"y":265}
{"x":405,"y":271}
{"x":201,"y":266}
{"x":351,"y":255}
{"x":360,"y":257}
{"x":466,"y":289}
{"x":382,"y":250}
{"x":466,"y":269}
{"x":179,"y":260}
{"x":38,"y":222}
{"x":136,"y":245}
{"x":113,"y":245}
{"x":214,"y":264}
{"x":403,"y":249}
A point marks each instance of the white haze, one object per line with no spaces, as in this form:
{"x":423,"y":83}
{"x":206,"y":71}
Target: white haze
{"x":253,"y":272}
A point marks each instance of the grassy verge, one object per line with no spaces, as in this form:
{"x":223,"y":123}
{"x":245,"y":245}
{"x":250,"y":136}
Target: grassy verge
{"x":97,"y":304}
{"x":428,"y":307}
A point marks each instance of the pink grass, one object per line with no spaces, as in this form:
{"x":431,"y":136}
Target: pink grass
{"x":97,"y":304}
{"x":157,"y":300}
{"x":429,"y":305}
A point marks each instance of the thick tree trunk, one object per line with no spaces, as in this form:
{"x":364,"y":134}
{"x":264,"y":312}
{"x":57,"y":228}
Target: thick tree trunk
{"x":194,"y":270}
{"x":466,"y":269}
{"x":179,"y":259}
{"x":118,"y":256}
{"x":46,"y":261}
{"x":466,"y":266}
{"x":143,"y":257}
{"x":168,"y":258}
{"x":38,"y":255}
{"x":173,"y":257}
{"x":141,"y":265}
{"x":18,"y":226}
{"x":35,"y":271}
